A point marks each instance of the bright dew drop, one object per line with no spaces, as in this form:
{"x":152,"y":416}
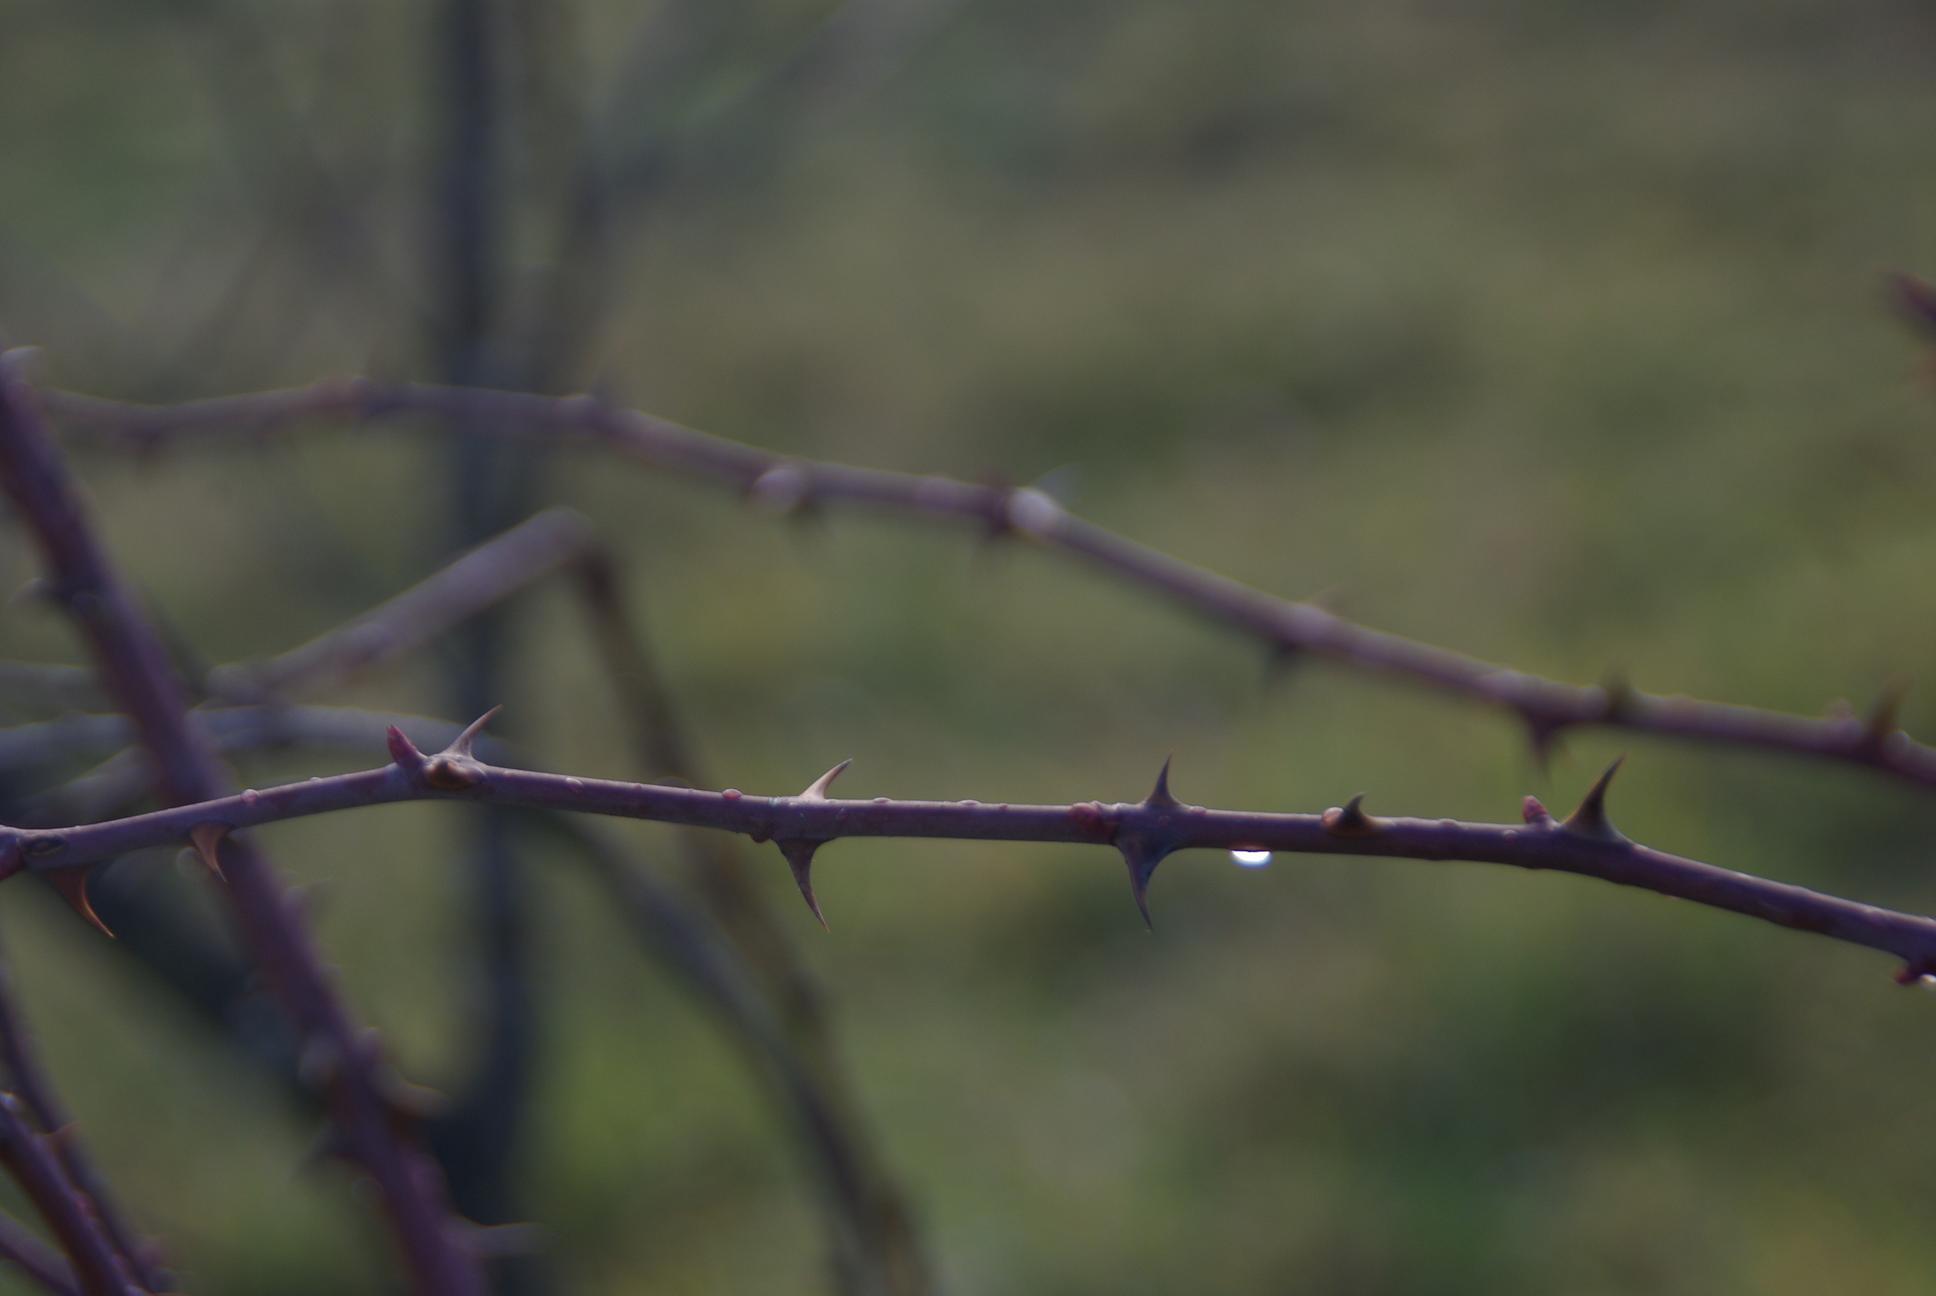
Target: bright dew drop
{"x":1250,"y":858}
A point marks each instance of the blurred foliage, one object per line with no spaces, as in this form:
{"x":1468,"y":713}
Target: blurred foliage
{"x":1551,"y":332}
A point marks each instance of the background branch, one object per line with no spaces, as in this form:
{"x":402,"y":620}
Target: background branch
{"x":1547,"y":708}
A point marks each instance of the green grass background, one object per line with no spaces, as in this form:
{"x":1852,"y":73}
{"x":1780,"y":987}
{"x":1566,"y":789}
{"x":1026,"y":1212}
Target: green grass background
{"x":1550,"y":332}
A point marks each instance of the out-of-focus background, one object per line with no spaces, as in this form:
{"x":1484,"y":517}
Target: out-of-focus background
{"x":1554,"y":333}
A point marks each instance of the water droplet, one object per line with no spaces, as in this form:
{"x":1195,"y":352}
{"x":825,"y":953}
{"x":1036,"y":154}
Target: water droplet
{"x":882,"y":801}
{"x":1250,"y":858}
{"x":971,"y":803}
{"x":732,"y":794}
{"x":251,"y":796}
{"x":575,"y":784}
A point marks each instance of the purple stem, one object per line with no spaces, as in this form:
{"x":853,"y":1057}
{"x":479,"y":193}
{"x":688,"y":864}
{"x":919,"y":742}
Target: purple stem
{"x":1546,"y":707}
{"x":68,"y":1213}
{"x":1144,"y":832}
{"x":135,"y":672}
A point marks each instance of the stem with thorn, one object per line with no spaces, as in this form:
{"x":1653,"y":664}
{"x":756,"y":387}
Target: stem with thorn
{"x":24,"y":1153}
{"x":1546,"y":708}
{"x":134,"y":670}
{"x":1144,"y":833}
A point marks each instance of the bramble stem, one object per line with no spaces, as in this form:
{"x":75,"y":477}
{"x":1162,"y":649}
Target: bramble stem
{"x":1144,"y":832}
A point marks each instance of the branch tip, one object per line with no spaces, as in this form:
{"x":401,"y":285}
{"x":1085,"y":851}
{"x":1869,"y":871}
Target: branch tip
{"x":817,"y":790}
{"x":407,"y":755}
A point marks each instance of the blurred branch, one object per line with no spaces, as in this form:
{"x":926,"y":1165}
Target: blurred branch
{"x":27,"y":1078}
{"x":883,"y":1242}
{"x":1546,"y":708}
{"x":34,"y":1260}
{"x":1144,"y":833}
{"x":872,"y":1231}
{"x":474,"y":582}
{"x":25,"y":1154}
{"x":134,"y":670}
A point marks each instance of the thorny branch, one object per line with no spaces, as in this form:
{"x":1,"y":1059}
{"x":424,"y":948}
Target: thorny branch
{"x":137,"y":675}
{"x":1144,"y":833}
{"x":1546,"y":707}
{"x":33,"y":1165}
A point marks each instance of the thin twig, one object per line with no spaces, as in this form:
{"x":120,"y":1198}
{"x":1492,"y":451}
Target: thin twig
{"x":1144,"y":833}
{"x":1547,"y":708}
{"x":29,"y":1079}
{"x":135,"y":672}
{"x":25,"y":1154}
{"x":471,"y":583}
{"x":34,"y":1259}
{"x":877,"y":1224}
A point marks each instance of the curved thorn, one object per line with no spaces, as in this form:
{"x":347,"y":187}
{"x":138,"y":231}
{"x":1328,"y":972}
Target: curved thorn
{"x":461,"y":744}
{"x":799,"y":858}
{"x":72,"y":884}
{"x":207,"y":839}
{"x":1141,"y":861}
{"x":817,"y":790}
{"x":1160,"y":794}
{"x":1590,"y":819}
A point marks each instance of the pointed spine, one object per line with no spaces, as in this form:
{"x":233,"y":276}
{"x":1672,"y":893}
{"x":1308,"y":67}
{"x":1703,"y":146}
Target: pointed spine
{"x":460,"y":746}
{"x":72,"y":884}
{"x":817,"y":790}
{"x":1141,"y":855}
{"x":1350,"y":819}
{"x":1159,"y":797}
{"x":799,"y":858}
{"x":207,"y":840}
{"x":1590,"y":819}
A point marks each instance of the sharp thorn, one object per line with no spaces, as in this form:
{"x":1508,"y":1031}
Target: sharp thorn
{"x":1160,"y":794}
{"x":799,"y":858}
{"x":1350,"y":819}
{"x":461,"y":744}
{"x":207,"y":839}
{"x":1534,"y":813}
{"x":72,"y":884}
{"x":1141,"y":862}
{"x":817,"y":790}
{"x":1590,"y":819}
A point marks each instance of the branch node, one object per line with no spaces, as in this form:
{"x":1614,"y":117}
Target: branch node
{"x":1590,"y":819}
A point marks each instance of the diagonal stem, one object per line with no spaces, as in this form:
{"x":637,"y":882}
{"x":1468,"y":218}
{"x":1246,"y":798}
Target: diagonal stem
{"x":1546,"y":707}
